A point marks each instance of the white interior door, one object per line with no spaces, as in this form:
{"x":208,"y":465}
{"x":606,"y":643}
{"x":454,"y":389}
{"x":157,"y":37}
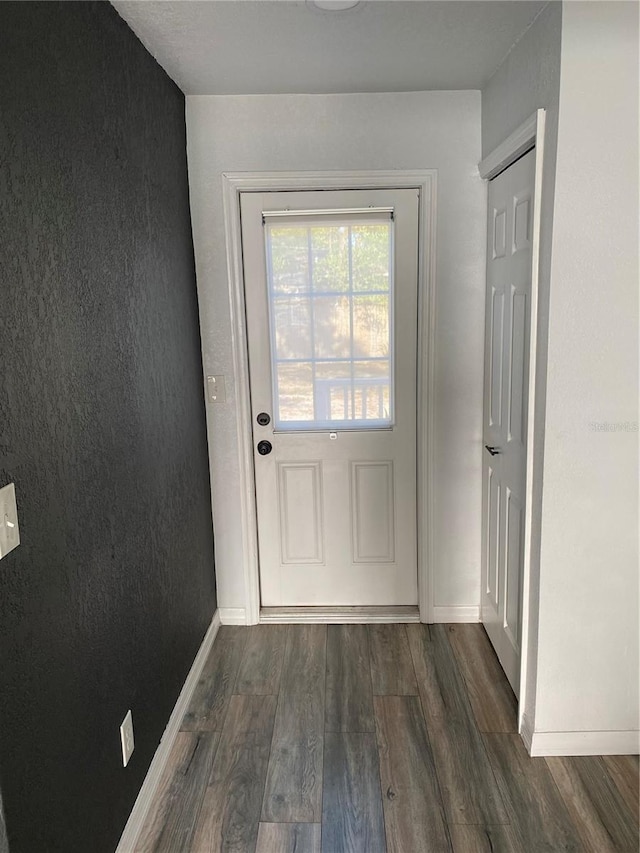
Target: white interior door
{"x":331,"y":302}
{"x":507,"y":330}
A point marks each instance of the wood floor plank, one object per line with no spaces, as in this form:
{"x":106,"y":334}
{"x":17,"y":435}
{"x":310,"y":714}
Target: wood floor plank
{"x":293,"y":791}
{"x":625,"y":772}
{"x":288,"y":838}
{"x":176,"y":805}
{"x":179,"y":757}
{"x":392,"y":672}
{"x":470,"y":838}
{"x":467,"y":783}
{"x":305,"y":659}
{"x":261,"y":665}
{"x":413,"y":811}
{"x":595,"y":805}
{"x":535,"y":808}
{"x":349,"y":699}
{"x":352,"y":818}
{"x":210,"y":700}
{"x":493,"y":702}
{"x":230,"y":810}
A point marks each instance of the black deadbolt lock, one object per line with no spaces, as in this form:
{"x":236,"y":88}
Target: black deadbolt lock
{"x":263,"y":419}
{"x":264,"y":447}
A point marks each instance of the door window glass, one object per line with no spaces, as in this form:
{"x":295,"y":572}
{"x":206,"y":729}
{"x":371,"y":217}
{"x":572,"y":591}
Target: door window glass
{"x":330,"y":283}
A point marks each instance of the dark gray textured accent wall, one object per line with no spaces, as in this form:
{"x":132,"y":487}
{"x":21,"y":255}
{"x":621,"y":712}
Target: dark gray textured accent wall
{"x":102,"y":422}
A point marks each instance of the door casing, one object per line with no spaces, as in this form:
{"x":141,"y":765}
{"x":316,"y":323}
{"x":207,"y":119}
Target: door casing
{"x":425,"y":181}
{"x":531,"y":132}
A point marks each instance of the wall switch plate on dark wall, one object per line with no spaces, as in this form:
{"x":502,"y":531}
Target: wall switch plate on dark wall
{"x":9,"y":529}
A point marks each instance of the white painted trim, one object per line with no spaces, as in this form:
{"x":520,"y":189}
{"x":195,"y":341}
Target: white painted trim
{"x":234,"y":616}
{"x":585,"y":743}
{"x":528,"y":545}
{"x":531,"y":132}
{"x":525,"y":727}
{"x":578,"y":743}
{"x":141,"y":806}
{"x":424,"y":180}
{"x":337,"y":615}
{"x":456,"y":613}
{"x":523,"y":138}
{"x":248,"y":519}
{"x":426,"y":400}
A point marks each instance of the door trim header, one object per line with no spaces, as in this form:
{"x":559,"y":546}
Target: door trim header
{"x":518,"y":143}
{"x":235,"y":183}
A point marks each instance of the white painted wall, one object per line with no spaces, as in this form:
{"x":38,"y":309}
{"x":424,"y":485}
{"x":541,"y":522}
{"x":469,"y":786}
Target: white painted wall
{"x":529,"y":79}
{"x":417,"y":130}
{"x":588,"y":631}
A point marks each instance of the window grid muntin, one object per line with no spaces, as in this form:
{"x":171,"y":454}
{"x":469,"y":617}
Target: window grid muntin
{"x":310,"y":293}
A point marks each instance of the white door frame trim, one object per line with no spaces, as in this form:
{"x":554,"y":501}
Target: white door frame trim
{"x":234,"y":183}
{"x":530,"y":133}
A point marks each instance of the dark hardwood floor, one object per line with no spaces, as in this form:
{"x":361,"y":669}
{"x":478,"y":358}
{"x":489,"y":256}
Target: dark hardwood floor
{"x":365,"y":739}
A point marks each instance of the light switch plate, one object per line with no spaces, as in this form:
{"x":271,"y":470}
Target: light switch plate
{"x":126,"y":738}
{"x":216,"y":389}
{"x":9,"y":531}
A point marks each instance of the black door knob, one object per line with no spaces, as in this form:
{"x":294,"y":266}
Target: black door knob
{"x":264,"y":447}
{"x":263,"y":419}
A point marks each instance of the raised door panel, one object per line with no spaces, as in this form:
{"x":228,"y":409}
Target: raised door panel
{"x":496,"y":358}
{"x":515,"y":398}
{"x":492,"y":536}
{"x":499,"y":233}
{"x":301,"y":522}
{"x":521,"y":222}
{"x":513,"y":561}
{"x":372,"y":512}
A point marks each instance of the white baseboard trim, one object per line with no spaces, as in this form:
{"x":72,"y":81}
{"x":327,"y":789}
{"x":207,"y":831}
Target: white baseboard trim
{"x":456,"y":613}
{"x":337,"y":615}
{"x":584,"y":743}
{"x":232,"y":615}
{"x":140,"y":809}
{"x":526,"y":732}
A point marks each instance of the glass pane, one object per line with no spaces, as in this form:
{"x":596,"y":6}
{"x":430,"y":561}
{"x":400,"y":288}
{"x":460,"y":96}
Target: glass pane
{"x":333,"y":391}
{"x":295,"y":392}
{"x":372,"y":389}
{"x":330,"y":253}
{"x":289,"y":259}
{"x":371,"y":249}
{"x":371,"y":326}
{"x":292,"y":322}
{"x":332,"y":326}
{"x":330,"y":297}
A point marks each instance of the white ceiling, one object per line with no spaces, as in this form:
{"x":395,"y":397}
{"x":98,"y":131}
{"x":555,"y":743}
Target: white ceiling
{"x":225,"y":47}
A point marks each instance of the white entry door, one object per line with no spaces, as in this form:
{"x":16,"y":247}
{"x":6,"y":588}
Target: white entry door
{"x":507,"y":332}
{"x":331,"y":302}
